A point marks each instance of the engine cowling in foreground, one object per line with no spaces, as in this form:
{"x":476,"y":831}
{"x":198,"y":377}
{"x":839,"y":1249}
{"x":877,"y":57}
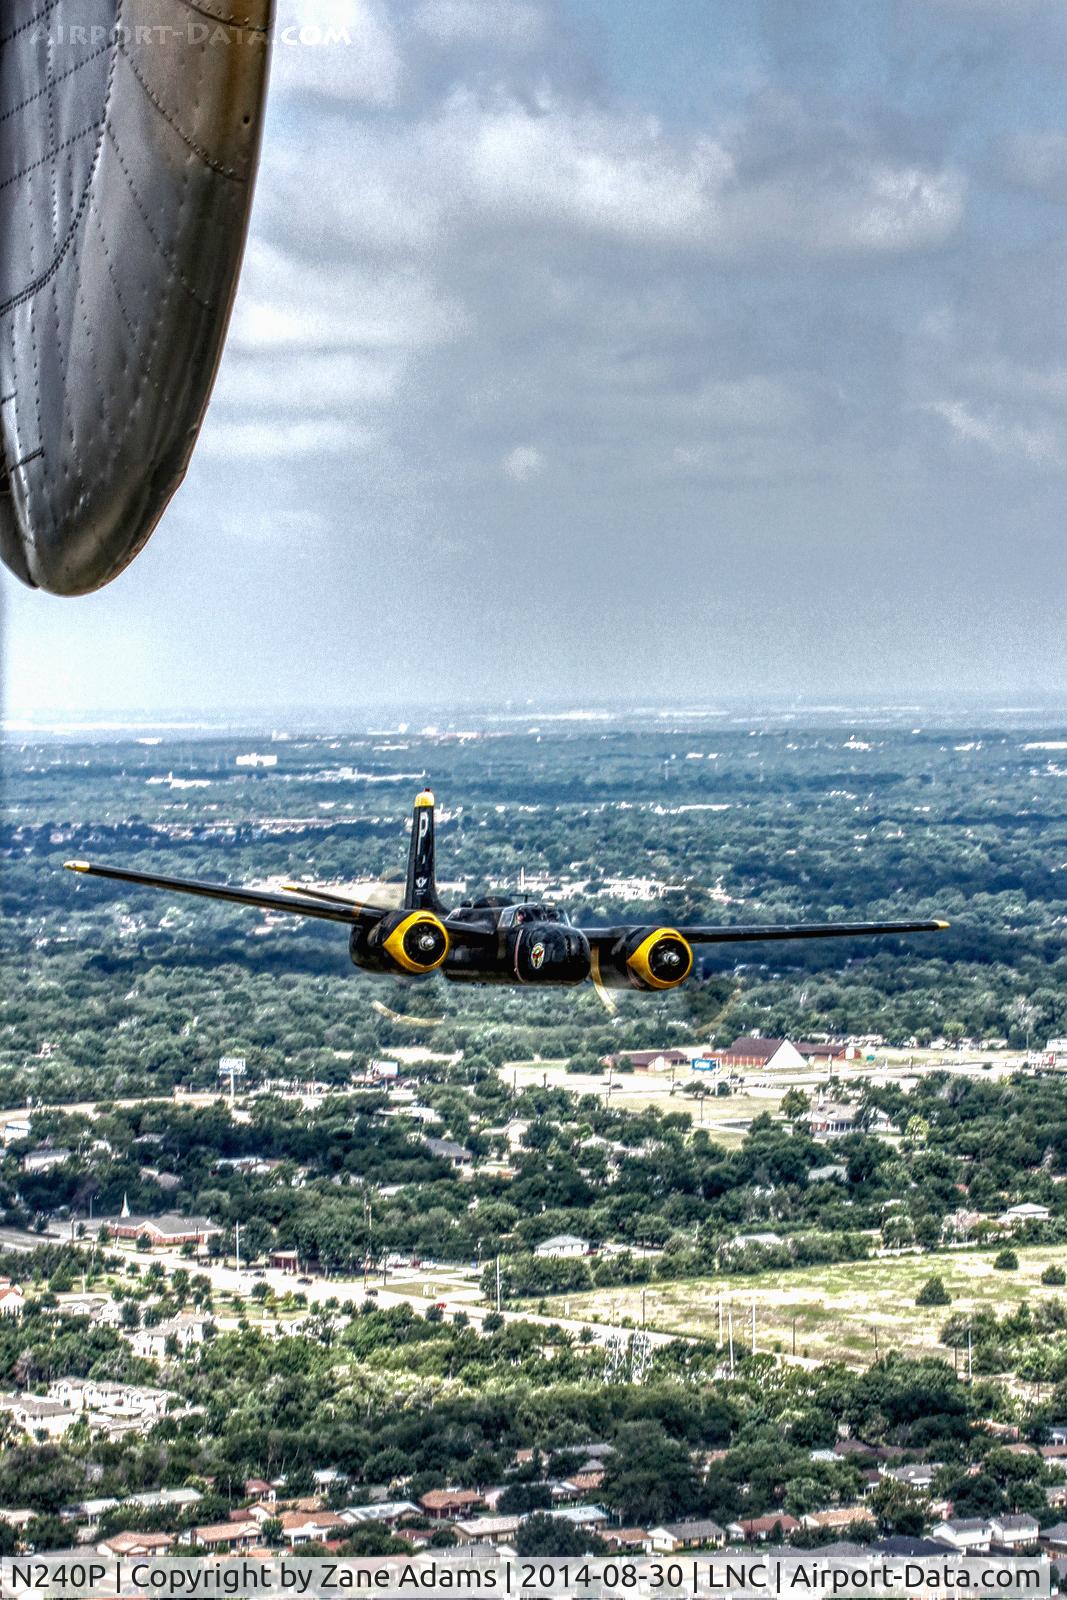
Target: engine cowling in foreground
{"x":410,"y":943}
{"x":648,"y":958}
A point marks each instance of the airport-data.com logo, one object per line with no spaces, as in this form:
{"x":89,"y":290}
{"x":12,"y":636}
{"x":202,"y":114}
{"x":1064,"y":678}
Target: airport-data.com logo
{"x":311,"y":35}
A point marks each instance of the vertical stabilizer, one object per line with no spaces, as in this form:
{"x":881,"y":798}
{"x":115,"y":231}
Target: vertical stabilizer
{"x":421,"y":893}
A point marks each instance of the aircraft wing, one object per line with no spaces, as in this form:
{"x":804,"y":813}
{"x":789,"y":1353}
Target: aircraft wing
{"x":129,"y":136}
{"x":329,"y":908}
{"x":757,"y":932}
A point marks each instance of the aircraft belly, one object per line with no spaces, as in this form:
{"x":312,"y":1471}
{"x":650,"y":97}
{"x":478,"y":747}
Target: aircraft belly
{"x":128,"y":143}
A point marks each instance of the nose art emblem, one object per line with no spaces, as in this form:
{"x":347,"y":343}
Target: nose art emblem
{"x":537,"y":956}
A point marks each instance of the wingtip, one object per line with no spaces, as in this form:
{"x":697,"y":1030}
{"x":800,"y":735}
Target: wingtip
{"x":77,"y":866}
{"x":940,"y":924}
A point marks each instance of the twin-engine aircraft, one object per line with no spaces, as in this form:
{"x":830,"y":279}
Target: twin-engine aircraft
{"x":495,"y":940}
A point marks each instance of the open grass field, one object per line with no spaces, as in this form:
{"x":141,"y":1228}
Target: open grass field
{"x":846,"y":1312}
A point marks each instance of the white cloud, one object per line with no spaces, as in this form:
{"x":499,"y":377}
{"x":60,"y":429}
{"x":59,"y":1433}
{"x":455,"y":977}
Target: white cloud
{"x":480,"y":164}
{"x":281,"y":437}
{"x":508,"y":23}
{"x":523,"y":463}
{"x":625,"y":177}
{"x":281,"y":304}
{"x":308,"y":382}
{"x":337,"y":49}
{"x":1040,"y":444}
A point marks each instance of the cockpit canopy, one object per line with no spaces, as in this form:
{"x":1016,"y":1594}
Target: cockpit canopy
{"x":518,"y":916}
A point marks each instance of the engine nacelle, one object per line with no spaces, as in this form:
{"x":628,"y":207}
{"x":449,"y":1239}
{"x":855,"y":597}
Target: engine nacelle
{"x":650,"y":958}
{"x":412,"y":943}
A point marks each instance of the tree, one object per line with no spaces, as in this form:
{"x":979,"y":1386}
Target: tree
{"x":794,"y":1104}
{"x":1054,"y":1276}
{"x":933,"y":1293}
{"x":1006,"y":1261}
{"x":649,"y":1477}
{"x":899,"y":1508}
{"x":541,"y":1535}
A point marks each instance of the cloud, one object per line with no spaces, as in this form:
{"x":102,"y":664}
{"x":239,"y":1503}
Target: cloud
{"x":769,"y":306}
{"x":1001,"y":435}
{"x":281,"y":438}
{"x":281,"y":305}
{"x":523,"y":463}
{"x":508,"y":23}
{"x":1037,"y":160}
{"x":335,"y":49}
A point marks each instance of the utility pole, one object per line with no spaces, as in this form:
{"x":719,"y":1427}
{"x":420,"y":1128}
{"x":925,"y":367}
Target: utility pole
{"x":970,"y":1356}
{"x":642,"y":1308}
{"x":498,"y":1283}
{"x":731,"y":1341}
{"x":237,"y":1245}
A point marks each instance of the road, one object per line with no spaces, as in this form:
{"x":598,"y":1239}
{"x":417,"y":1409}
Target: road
{"x":449,"y":1288}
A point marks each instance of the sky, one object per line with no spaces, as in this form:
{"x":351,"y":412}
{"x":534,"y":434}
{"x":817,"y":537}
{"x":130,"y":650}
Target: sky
{"x":662,"y":350}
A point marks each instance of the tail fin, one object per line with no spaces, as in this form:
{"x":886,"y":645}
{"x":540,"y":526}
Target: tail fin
{"x":421,"y":893}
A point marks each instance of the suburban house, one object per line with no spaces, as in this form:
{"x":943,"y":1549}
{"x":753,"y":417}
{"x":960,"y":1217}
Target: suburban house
{"x":966,"y":1534}
{"x":589,"y":1517}
{"x":626,"y":1538}
{"x":691,"y":1535}
{"x":916,"y":1475}
{"x":12,"y":1299}
{"x":226,"y":1537}
{"x":44,"y":1158}
{"x":757,"y":1530}
{"x":135,"y":1544}
{"x":1027,"y":1211}
{"x":184,"y":1329}
{"x":113,"y":1399}
{"x":562,"y":1245}
{"x":448,"y":1150}
{"x":831,"y":1120}
{"x":440,"y":1505}
{"x":36,"y":1416}
{"x":18,"y":1517}
{"x":838,"y":1518}
{"x":488,"y":1530}
{"x":1013,"y":1533}
{"x":307,"y":1527}
{"x":387,"y":1512}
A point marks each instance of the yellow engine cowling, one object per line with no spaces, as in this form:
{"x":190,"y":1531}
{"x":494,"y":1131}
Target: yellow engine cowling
{"x":411,"y":942}
{"x":659,"y":959}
